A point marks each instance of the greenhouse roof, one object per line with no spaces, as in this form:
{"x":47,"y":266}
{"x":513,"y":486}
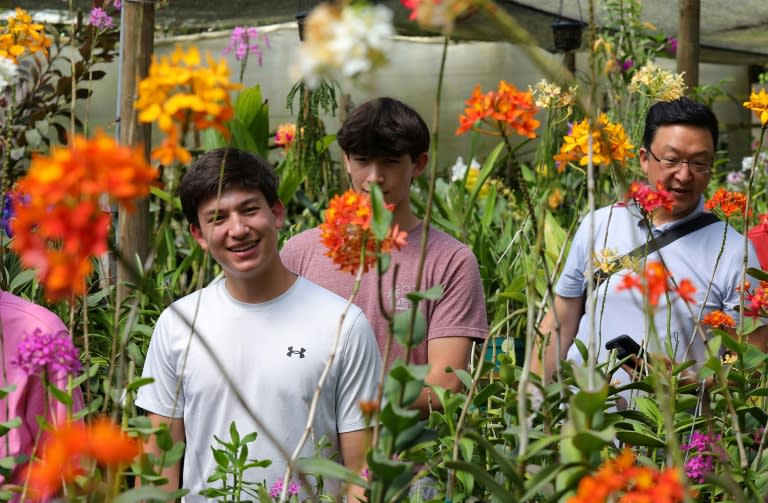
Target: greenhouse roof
{"x":728,"y":34}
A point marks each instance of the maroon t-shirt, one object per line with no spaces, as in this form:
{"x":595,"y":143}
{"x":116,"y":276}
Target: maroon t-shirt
{"x":460,"y":312}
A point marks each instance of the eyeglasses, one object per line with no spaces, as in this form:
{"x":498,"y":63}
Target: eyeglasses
{"x":698,"y":167}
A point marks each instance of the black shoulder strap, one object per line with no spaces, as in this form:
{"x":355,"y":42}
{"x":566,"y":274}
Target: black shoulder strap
{"x":655,"y":244}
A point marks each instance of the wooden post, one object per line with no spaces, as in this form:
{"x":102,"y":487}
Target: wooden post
{"x":688,"y":41}
{"x":134,"y":229}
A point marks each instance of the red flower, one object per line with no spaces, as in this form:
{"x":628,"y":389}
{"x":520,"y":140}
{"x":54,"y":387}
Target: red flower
{"x":757,"y":301}
{"x":655,"y":282}
{"x":347,"y":234}
{"x":729,"y":202}
{"x":648,"y":199}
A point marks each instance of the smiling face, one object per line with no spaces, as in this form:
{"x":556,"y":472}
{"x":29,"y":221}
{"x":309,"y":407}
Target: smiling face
{"x":685,"y":143}
{"x":240,"y":231}
{"x":393,"y":174}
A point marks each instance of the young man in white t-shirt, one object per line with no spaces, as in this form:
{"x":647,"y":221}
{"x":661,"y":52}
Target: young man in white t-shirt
{"x":251,"y":346}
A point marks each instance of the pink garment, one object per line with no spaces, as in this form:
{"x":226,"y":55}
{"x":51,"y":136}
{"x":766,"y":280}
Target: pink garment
{"x":460,"y":312}
{"x":19,"y":317}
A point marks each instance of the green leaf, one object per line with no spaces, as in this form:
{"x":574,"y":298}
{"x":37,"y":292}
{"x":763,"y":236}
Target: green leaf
{"x":402,"y":324}
{"x":6,"y":426}
{"x":329,"y":469}
{"x":60,"y":395}
{"x":21,"y":279}
{"x":591,"y":402}
{"x":382,"y":217}
{"x":592,"y":441}
{"x":233,"y":433}
{"x":758,"y":274}
{"x":485,"y":478}
{"x":149,"y":493}
{"x":433,"y":293}
{"x":639,"y":439}
{"x":138,"y":383}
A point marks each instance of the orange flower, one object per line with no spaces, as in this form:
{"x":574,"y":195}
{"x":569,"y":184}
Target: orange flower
{"x":346,"y":232}
{"x":655,"y":282}
{"x":626,"y":482}
{"x":729,"y":202}
{"x":504,"y":110}
{"x":59,"y":461}
{"x":67,"y":449}
{"x":719,"y":319}
{"x":109,"y":445}
{"x":60,"y":224}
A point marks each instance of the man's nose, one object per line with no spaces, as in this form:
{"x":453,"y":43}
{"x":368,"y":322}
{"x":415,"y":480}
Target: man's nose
{"x":238,"y":226}
{"x":375,"y":173}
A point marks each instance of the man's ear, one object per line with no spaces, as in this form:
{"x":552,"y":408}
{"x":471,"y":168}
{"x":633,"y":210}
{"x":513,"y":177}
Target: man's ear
{"x":643,"y":156}
{"x":420,"y":164}
{"x":278,"y":209}
{"x":346,"y":162}
{"x":197,"y":233}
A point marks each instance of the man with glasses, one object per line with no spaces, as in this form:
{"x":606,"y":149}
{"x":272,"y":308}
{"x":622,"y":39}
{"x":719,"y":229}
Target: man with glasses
{"x":678,"y":152}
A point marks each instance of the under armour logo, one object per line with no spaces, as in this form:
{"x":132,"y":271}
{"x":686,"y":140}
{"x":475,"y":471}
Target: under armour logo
{"x":291,"y":352}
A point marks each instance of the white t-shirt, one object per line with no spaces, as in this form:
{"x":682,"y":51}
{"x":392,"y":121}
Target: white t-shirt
{"x":694,"y":256}
{"x":276,"y":352}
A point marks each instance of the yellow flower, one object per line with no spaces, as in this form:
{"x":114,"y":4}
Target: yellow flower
{"x":729,"y":358}
{"x":609,"y":144}
{"x":21,"y":35}
{"x":605,"y":260}
{"x":758,"y":103}
{"x":180,"y":91}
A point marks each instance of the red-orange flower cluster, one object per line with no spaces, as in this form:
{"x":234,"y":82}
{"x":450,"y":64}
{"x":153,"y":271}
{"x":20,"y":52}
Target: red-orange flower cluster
{"x":719,"y":319}
{"x":68,"y":448}
{"x":757,"y":300}
{"x":59,"y":222}
{"x":631,"y":483}
{"x":504,"y":110}
{"x":347,"y":234}
{"x":655,"y":282}
{"x":728,"y":202}
{"x":648,"y":199}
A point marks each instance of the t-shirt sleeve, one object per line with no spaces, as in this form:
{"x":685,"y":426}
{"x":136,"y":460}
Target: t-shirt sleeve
{"x":572,"y":282}
{"x":460,"y":311}
{"x":360,"y":369}
{"x":291,"y":254}
{"x":160,"y":397}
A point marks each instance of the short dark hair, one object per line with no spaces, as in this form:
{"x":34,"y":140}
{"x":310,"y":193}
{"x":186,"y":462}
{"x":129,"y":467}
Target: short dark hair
{"x":382,"y":127}
{"x":234,"y":168}
{"x":680,"y":111}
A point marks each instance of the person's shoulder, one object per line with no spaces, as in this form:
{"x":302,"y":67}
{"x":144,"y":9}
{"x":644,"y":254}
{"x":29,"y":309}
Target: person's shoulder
{"x":323,"y":300}
{"x":303,"y":239}
{"x":34,"y":313}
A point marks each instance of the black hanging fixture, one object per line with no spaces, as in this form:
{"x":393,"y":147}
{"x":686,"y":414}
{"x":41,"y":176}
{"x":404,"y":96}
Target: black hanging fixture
{"x":300,"y":18}
{"x":567,"y":32}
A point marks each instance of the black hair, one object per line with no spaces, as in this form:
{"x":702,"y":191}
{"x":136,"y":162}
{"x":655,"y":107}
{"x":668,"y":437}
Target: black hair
{"x":230,"y":168}
{"x":384,"y":127}
{"x":680,"y":111}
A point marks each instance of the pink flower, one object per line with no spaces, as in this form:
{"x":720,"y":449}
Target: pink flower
{"x":276,"y":488}
{"x":118,"y":4}
{"x":671,"y":46}
{"x":99,"y":19}
{"x":285,"y":135}
{"x":245,"y":41}
{"x":293,"y":489}
{"x":55,"y":353}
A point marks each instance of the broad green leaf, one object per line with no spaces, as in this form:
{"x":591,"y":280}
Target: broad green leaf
{"x":382,"y":217}
{"x":433,"y":293}
{"x":640,"y":439}
{"x":402,"y":324}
